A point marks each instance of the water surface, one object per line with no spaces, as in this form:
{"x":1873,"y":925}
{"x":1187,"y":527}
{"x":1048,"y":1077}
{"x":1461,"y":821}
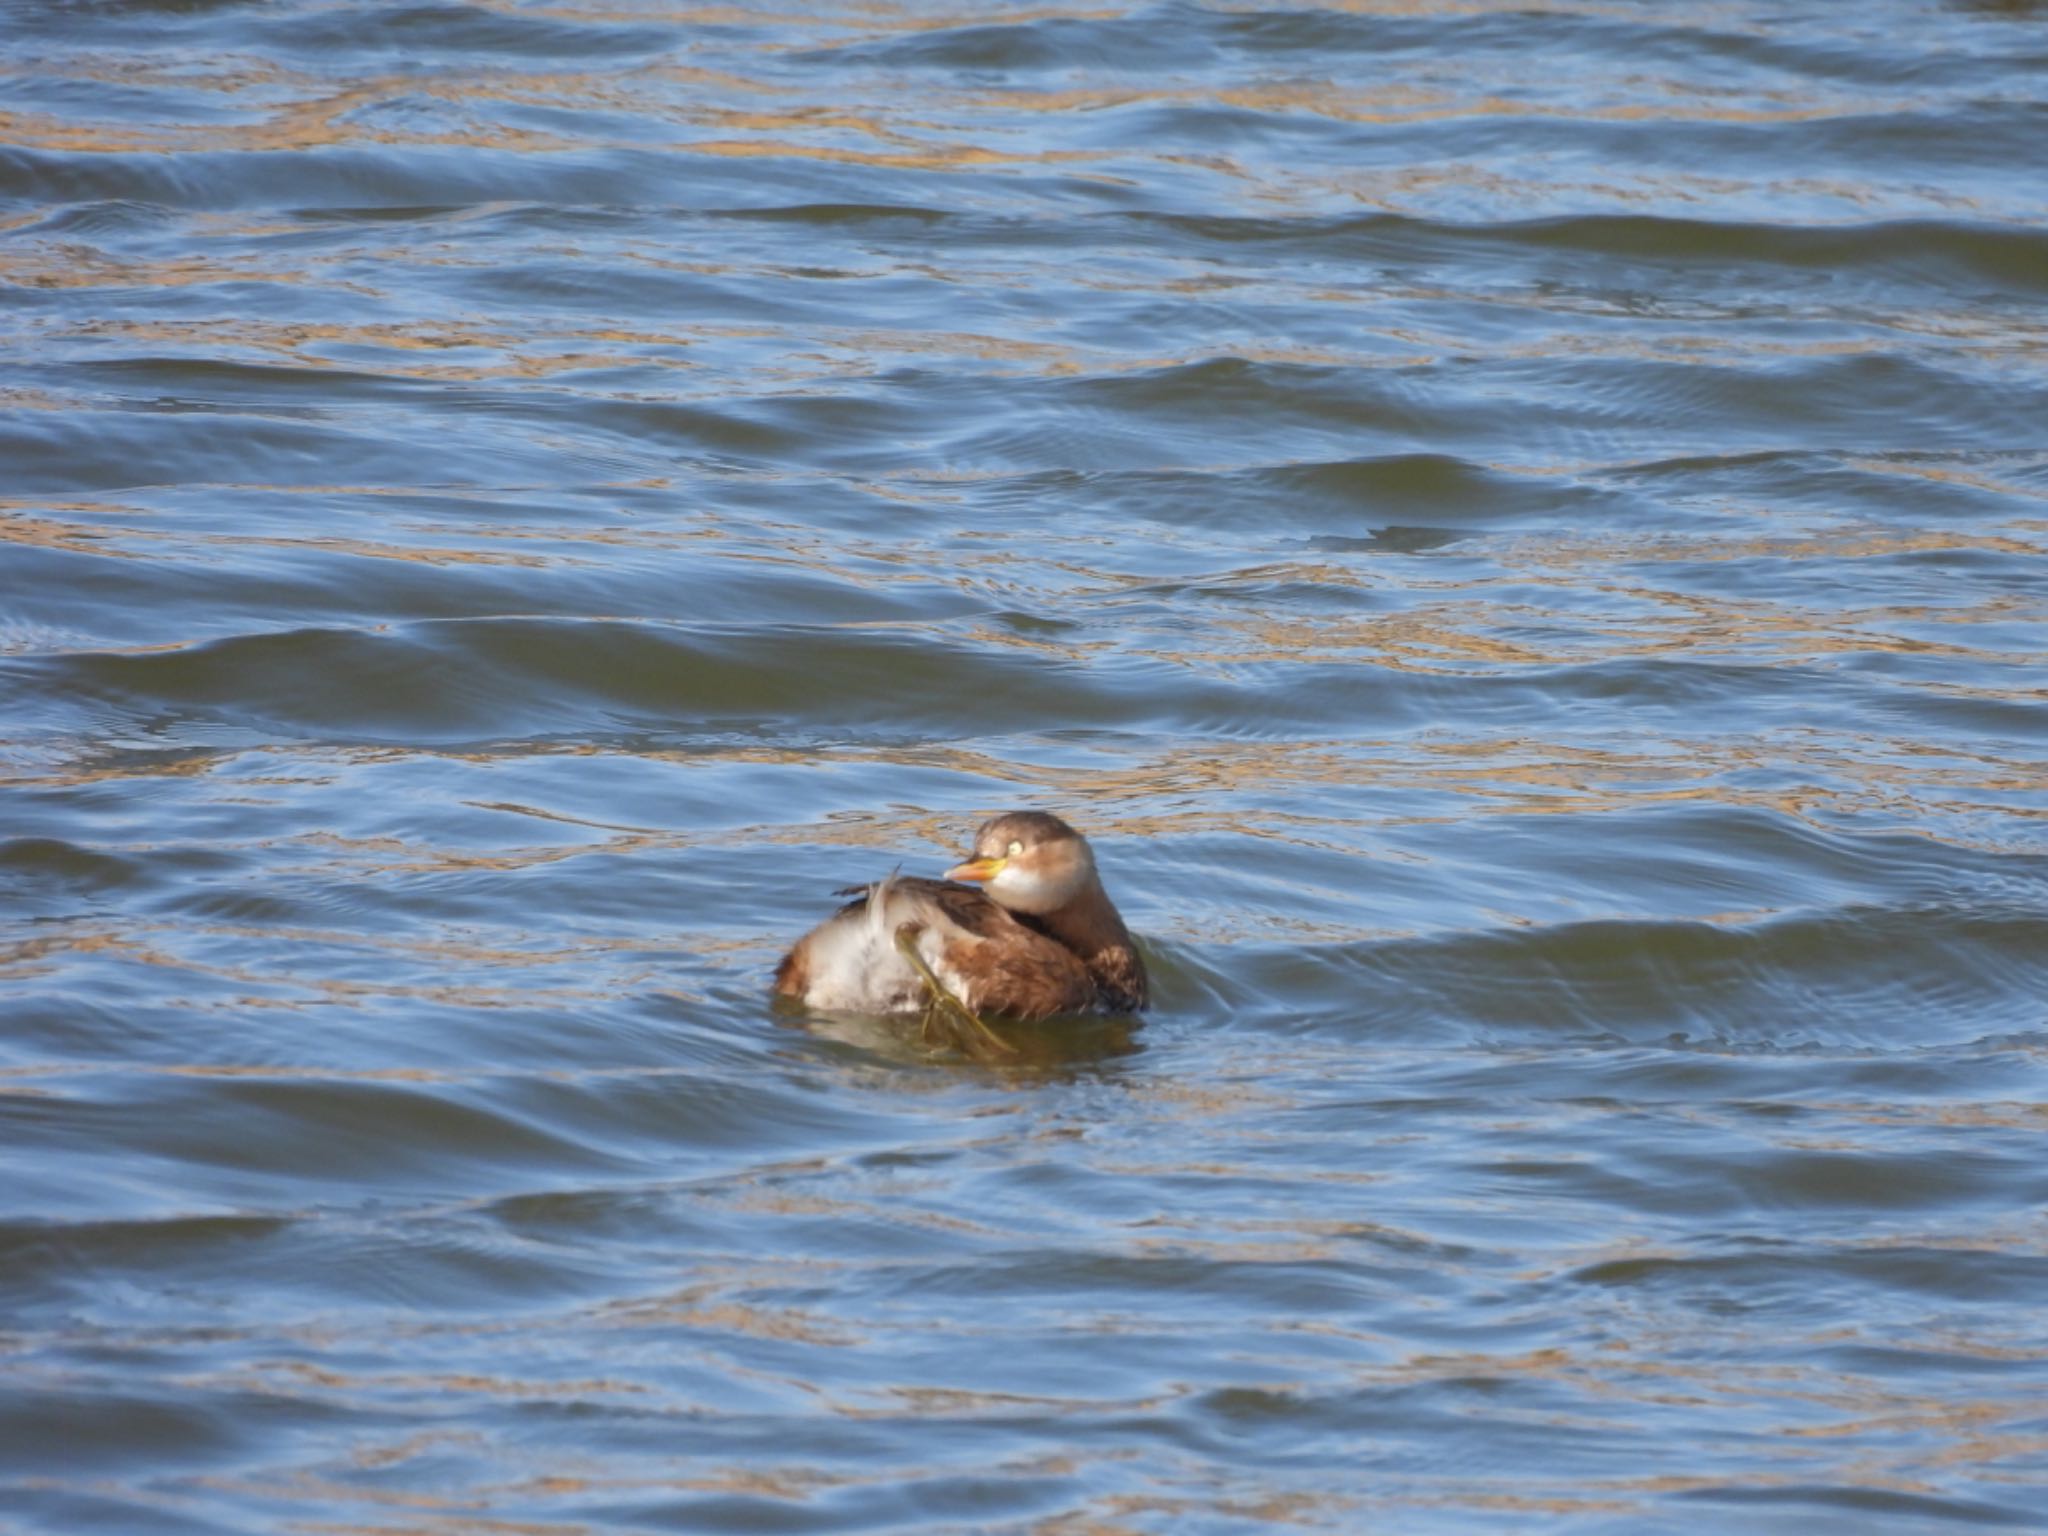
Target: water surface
{"x":1519,"y":531}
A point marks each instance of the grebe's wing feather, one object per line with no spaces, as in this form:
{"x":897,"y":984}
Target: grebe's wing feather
{"x":982,"y":954}
{"x":911,"y":898}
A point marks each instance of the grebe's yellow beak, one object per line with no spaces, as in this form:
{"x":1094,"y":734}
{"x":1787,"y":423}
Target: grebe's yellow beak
{"x":977,"y":870}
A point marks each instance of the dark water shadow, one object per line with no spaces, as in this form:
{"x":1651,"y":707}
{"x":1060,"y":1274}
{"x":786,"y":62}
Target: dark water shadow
{"x":1046,"y":1050}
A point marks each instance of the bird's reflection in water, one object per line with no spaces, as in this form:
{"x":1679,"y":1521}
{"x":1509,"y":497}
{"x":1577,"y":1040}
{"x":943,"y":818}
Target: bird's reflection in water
{"x":1073,"y":1042}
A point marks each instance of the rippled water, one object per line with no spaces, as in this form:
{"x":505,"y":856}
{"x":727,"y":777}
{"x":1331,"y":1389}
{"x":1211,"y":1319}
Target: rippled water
{"x":1520,"y":530}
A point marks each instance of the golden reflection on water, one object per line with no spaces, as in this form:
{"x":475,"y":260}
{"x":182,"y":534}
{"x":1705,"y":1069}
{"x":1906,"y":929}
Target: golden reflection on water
{"x":1798,"y":1414}
{"x":1738,"y":578}
{"x":818,"y":353}
{"x":274,"y":986}
{"x":1844,"y":776}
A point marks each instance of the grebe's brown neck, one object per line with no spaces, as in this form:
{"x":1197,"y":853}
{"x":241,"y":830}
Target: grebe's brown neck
{"x":1092,"y":928}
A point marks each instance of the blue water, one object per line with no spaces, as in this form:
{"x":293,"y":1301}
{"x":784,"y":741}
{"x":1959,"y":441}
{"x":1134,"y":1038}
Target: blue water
{"x":1518,"y":532}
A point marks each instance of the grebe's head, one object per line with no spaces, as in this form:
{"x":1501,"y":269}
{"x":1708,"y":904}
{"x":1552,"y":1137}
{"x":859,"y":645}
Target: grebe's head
{"x":1029,"y":862}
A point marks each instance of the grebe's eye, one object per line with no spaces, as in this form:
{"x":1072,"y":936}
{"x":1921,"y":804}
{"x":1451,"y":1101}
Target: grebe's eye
{"x":1014,"y":850}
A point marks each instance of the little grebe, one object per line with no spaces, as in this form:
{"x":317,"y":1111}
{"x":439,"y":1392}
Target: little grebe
{"x":1040,"y":938}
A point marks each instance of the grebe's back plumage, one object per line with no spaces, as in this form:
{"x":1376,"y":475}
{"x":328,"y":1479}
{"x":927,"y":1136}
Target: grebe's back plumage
{"x":1040,"y":938}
